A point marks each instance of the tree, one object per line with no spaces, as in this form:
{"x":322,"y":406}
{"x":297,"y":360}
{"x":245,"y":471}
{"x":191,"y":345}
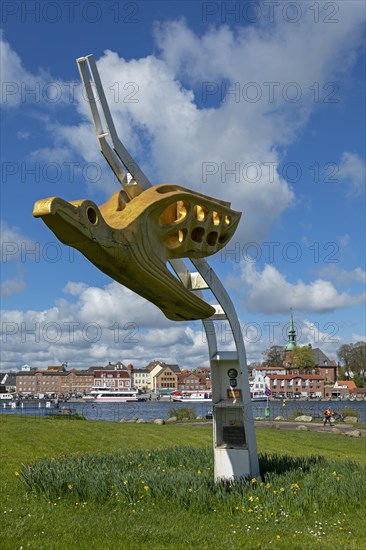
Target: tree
{"x":358,"y":380}
{"x":273,"y":356}
{"x":353,"y":357}
{"x":344,"y":354}
{"x":358,"y":358}
{"x":302,"y":357}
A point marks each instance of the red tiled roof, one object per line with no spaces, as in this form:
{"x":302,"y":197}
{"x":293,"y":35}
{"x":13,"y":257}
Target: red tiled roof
{"x":112,"y":374}
{"x":292,"y":376}
{"x":268,"y":368}
{"x":349,"y":383}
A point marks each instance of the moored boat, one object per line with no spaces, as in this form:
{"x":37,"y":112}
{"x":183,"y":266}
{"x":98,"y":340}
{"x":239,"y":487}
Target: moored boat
{"x":112,"y":395}
{"x":258,"y":396}
{"x":6,"y":397}
{"x":192,"y":396}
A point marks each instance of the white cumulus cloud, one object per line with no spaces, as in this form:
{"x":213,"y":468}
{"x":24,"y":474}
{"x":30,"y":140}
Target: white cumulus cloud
{"x":352,"y":170}
{"x":268,"y":291}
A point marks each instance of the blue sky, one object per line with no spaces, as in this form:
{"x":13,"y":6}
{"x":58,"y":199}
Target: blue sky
{"x":258,"y":103}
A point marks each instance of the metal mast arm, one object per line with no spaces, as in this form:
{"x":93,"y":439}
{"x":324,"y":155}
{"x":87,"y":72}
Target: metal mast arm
{"x":134,"y":180}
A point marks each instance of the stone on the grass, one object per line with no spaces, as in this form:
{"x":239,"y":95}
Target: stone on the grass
{"x":353,"y":433}
{"x":351,"y":419}
{"x":303,"y":418}
{"x":159,"y":421}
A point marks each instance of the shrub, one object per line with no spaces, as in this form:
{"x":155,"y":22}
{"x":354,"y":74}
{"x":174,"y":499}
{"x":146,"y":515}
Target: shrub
{"x":183,"y":412}
{"x":348,"y":411}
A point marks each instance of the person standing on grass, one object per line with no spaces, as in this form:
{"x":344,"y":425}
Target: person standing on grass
{"x":327,"y":416}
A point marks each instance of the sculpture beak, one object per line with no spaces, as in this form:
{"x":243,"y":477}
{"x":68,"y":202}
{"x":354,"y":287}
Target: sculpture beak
{"x":71,"y":222}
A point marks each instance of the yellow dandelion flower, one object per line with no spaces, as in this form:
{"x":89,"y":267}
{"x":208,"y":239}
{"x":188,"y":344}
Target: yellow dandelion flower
{"x":278,"y":537}
{"x":334,"y":473}
{"x":69,"y":487}
{"x":338,"y":478}
{"x":294,"y":486}
{"x":190,"y":490}
{"x":125,"y":482}
{"x":282,"y":490}
{"x":17,"y":474}
{"x":146,"y":487}
{"x":253,"y":480}
{"x":251,"y":498}
{"x":268,"y":485}
{"x":250,"y":510}
{"x":199,"y":472}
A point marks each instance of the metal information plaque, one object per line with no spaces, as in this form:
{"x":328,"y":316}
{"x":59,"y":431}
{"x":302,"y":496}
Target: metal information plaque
{"x":231,"y":393}
{"x":234,"y":435}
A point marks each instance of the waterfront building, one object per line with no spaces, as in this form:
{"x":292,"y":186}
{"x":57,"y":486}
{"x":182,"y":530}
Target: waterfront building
{"x":193,"y":381}
{"x":7,"y":382}
{"x":54,"y":380}
{"x":141,"y":379}
{"x":162,"y":381}
{"x":325,"y":366}
{"x":344,"y":389}
{"x":290,"y":386}
{"x":167,"y":378}
{"x":257,"y":383}
{"x":154,"y":368}
{"x":116,"y":379}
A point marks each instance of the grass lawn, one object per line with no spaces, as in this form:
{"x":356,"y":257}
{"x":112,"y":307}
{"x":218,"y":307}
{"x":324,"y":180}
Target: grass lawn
{"x":31,"y":520}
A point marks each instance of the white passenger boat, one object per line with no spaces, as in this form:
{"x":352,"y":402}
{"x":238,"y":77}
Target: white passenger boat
{"x":258,"y":396}
{"x":192,"y":396}
{"x":112,"y":395}
{"x":6,"y":397}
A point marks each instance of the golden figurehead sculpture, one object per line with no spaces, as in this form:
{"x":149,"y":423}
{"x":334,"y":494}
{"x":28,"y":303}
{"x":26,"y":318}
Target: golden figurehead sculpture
{"x":133,"y":241}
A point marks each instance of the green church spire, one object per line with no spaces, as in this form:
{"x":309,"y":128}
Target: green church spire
{"x":291,"y":343}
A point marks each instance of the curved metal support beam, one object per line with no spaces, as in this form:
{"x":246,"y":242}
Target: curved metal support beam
{"x":220,"y":293}
{"x":233,"y":408}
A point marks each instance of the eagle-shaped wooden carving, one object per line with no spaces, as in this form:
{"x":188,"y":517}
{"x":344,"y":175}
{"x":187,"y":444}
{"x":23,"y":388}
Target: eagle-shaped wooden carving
{"x":133,"y":241}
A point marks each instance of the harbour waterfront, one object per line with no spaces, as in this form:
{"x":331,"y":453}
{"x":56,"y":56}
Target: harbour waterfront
{"x":149,"y":410}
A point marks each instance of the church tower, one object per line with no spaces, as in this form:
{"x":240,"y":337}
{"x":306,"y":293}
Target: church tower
{"x":291,"y":344}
